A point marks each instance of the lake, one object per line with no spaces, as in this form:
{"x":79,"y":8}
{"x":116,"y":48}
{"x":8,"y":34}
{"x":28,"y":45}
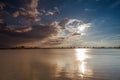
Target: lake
{"x":60,"y":64}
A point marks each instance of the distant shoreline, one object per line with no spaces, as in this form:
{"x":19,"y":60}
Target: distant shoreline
{"x":63,"y":48}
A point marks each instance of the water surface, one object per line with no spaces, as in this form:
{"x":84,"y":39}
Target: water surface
{"x":60,"y":64}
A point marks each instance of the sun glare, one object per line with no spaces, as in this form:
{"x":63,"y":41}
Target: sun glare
{"x":80,"y":54}
{"x":82,"y":67}
{"x":81,"y":57}
{"x":82,"y":28}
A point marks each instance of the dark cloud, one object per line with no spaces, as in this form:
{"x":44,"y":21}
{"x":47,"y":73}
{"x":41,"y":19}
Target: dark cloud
{"x":63,"y":23}
{"x":13,"y":36}
{"x":32,"y":11}
{"x":54,"y":42}
{"x":49,"y":33}
{"x":20,"y":22}
{"x":76,"y":33}
{"x":29,"y":10}
{"x":25,"y":12}
{"x":2,"y":5}
{"x":23,"y":22}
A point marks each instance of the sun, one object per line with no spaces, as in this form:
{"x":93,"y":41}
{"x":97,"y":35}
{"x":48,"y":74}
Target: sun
{"x":82,"y":28}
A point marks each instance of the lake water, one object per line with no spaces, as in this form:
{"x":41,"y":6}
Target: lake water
{"x":60,"y":64}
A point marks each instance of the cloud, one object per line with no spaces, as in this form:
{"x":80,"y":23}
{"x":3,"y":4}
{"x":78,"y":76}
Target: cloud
{"x":68,"y":29}
{"x":72,"y":27}
{"x":2,"y":5}
{"x":33,"y":4}
{"x":1,"y":21}
{"x":13,"y":36}
{"x":24,"y":25}
{"x":53,"y":42}
{"x":63,"y":23}
{"x":45,"y":34}
{"x":52,"y":12}
{"x":29,"y":10}
{"x":53,"y":34}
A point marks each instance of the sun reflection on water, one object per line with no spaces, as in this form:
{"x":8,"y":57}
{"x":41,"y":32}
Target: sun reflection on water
{"x":81,"y":54}
{"x":82,"y":67}
{"x":73,"y":66}
{"x":81,"y":57}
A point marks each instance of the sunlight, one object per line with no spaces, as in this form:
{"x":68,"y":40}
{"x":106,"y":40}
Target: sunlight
{"x":82,"y":28}
{"x":82,"y":67}
{"x":80,"y":54}
{"x":81,"y":57}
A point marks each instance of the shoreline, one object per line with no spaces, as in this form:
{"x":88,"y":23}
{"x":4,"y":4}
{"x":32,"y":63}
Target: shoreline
{"x":56,"y":48}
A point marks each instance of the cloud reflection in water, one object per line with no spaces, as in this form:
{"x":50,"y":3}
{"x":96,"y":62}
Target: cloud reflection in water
{"x":67,"y":64}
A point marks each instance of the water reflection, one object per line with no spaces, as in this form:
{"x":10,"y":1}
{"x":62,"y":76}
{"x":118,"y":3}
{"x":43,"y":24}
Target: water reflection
{"x":80,"y":58}
{"x":82,"y":67}
{"x":57,"y":64}
{"x":75,"y":67}
{"x":44,"y":65}
{"x":81,"y":54}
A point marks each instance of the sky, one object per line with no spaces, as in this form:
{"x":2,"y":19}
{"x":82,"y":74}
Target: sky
{"x":59,"y":23}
